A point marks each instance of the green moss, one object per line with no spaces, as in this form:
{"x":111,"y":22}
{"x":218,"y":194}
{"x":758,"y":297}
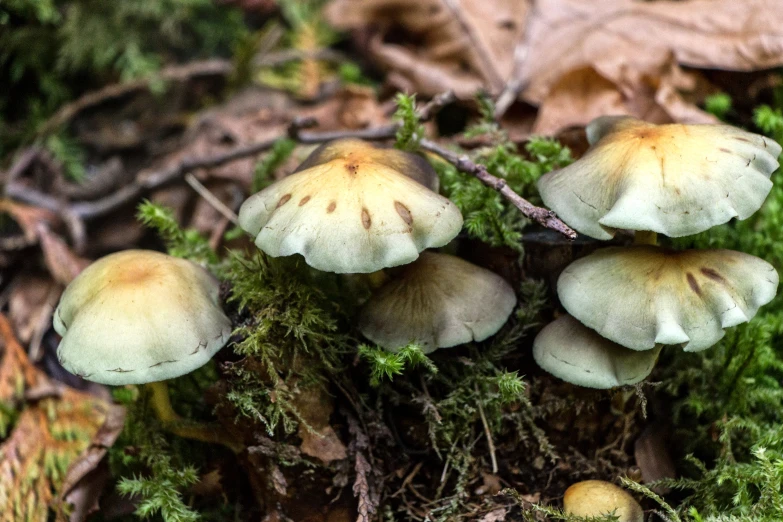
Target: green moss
{"x":188,"y":244}
{"x":489,"y":217}
{"x":290,"y":333}
{"x":46,"y":59}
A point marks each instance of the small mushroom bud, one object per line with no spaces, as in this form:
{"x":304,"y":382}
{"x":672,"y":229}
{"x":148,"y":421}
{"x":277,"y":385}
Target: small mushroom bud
{"x":594,"y":498}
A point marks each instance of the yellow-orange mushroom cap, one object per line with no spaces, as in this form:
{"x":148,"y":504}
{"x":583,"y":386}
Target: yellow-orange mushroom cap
{"x":438,"y":301}
{"x":673,"y":179}
{"x":139,"y":316}
{"x":594,"y":498}
{"x":354,"y":209}
{"x":643,"y":295}
{"x":574,"y":353}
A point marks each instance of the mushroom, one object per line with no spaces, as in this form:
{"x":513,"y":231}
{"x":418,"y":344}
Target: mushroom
{"x":437,"y":301}
{"x":411,"y":165}
{"x":572,"y":352}
{"x":642,"y":296}
{"x":141,"y":317}
{"x":595,"y":498}
{"x":355,"y":208}
{"x":671,"y":179}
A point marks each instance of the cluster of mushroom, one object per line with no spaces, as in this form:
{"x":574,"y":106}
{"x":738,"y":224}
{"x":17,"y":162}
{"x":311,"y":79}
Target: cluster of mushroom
{"x":353,"y":208}
{"x":142,"y":317}
{"x":625,"y":303}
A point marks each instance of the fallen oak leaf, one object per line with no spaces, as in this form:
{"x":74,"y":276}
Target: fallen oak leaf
{"x":48,"y":435}
{"x":632,"y":44}
{"x":581,"y":95}
{"x":619,"y":37}
{"x":455,"y":45}
{"x":82,"y":470}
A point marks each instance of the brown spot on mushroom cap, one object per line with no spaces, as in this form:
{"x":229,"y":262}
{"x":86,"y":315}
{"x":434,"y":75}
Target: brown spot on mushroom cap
{"x":693,"y":284}
{"x":404,"y":213}
{"x":352,"y":168}
{"x":331,"y":207}
{"x":697,"y":294}
{"x":304,"y":200}
{"x":283,"y":200}
{"x":712,"y":274}
{"x":366,"y":220}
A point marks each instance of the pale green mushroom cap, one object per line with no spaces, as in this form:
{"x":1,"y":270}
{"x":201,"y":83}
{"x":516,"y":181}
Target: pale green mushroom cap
{"x":139,"y":316}
{"x":672,"y":179}
{"x":572,"y":352}
{"x":356,"y":212}
{"x":641,"y":296}
{"x":438,"y":301}
{"x":595,"y":498}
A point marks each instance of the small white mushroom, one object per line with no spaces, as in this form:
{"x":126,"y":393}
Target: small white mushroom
{"x":438,"y":301}
{"x":595,"y":498}
{"x":642,"y":296}
{"x":354,"y":210}
{"x":673,"y":179}
{"x":572,"y":352}
{"x":138,"y":317}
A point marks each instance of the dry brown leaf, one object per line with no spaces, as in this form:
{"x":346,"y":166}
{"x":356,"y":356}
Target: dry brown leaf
{"x":352,"y":107}
{"x":49,"y":434}
{"x":459,"y":45}
{"x":636,"y":47}
{"x":31,"y":296}
{"x":28,"y":218}
{"x":584,"y":94}
{"x":78,"y":481}
{"x":576,"y":59}
{"x":319,"y":440}
{"x":626,"y":38}
{"x":62,"y":262}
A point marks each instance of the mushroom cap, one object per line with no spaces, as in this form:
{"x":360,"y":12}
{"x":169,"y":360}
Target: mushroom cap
{"x":643,"y":295}
{"x":672,"y":179}
{"x":139,"y":316}
{"x":412,"y":165}
{"x":354,"y":213}
{"x":572,"y":352}
{"x":438,"y":301}
{"x":593,"y":498}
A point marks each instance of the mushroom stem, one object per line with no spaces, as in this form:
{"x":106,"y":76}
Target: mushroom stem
{"x":161,"y":402}
{"x":173,"y":423}
{"x":645,"y":237}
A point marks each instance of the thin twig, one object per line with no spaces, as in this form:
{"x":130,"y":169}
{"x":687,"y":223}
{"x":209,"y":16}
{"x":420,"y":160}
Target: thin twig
{"x":542,"y":216}
{"x":487,"y":432}
{"x":213,"y":67}
{"x":149,"y":180}
{"x":210,"y":198}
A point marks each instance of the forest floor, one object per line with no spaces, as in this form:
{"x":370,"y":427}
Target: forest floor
{"x":153,"y":133}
